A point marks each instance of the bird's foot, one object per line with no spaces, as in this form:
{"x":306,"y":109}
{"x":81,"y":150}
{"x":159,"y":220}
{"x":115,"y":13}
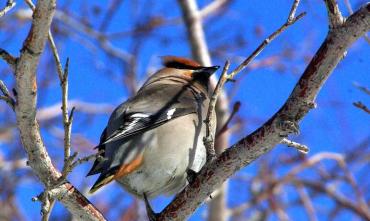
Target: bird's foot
{"x":149,"y":211}
{"x":191,"y":174}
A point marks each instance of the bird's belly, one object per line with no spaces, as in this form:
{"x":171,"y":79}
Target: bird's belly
{"x":166,"y":161}
{"x":155,"y":180}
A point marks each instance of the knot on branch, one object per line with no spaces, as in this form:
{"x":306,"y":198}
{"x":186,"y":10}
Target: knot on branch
{"x":286,"y":126}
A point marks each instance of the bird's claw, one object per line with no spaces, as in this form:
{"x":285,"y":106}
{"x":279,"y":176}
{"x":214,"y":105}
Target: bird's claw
{"x":191,"y":174}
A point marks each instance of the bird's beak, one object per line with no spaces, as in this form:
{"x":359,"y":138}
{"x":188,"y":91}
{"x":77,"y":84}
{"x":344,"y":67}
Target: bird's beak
{"x":206,"y":71}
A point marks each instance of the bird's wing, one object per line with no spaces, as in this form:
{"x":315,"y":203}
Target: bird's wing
{"x":136,"y":123}
{"x":145,"y":112}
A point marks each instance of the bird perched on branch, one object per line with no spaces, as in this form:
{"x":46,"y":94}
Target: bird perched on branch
{"x":155,"y":138}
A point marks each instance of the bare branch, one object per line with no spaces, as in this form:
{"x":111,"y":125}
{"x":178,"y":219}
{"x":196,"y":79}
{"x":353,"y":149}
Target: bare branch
{"x":195,"y":31}
{"x":8,"y":58}
{"x":335,"y":16}
{"x":350,"y":10}
{"x":26,"y":87}
{"x":362,"y":106}
{"x":212,"y":7}
{"x":53,"y":111}
{"x":293,"y":10}
{"x":362,"y":88}
{"x":307,"y":203}
{"x":101,"y":39}
{"x":80,"y":161}
{"x":70,"y":164}
{"x":337,"y":197}
{"x":9,"y":5}
{"x":300,"y":147}
{"x":269,"y":135}
{"x":6,"y":95}
{"x":209,"y":139}
{"x":47,"y":204}
{"x":290,"y":21}
{"x":67,"y":120}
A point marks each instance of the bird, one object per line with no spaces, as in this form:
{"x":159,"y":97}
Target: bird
{"x":153,"y":142}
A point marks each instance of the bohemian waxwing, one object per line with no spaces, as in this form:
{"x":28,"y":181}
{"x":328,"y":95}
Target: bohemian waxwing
{"x":155,"y":138}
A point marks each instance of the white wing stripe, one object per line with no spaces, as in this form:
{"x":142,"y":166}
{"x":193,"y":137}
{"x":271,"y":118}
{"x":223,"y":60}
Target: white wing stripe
{"x":140,"y":115}
{"x":170,"y":113}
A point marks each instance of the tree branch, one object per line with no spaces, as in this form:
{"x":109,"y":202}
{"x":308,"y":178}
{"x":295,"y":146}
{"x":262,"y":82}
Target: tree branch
{"x":361,"y":106}
{"x":9,"y":5}
{"x":212,"y":7}
{"x":6,"y":95}
{"x":300,"y":147}
{"x":350,"y":10}
{"x":209,"y":139}
{"x":195,"y":31}
{"x":8,"y":58}
{"x":26,"y":87}
{"x":269,"y":135}
{"x":335,"y":16}
{"x":337,"y":197}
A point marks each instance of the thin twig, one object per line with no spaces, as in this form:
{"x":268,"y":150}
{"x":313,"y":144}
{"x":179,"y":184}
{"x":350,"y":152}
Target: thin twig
{"x":67,"y":167}
{"x":362,"y":106}
{"x":80,"y":161}
{"x":6,"y":95}
{"x":306,"y":201}
{"x":300,"y":147}
{"x":268,"y":41}
{"x":67,"y":121}
{"x":212,"y":7}
{"x":208,"y":139}
{"x":71,"y":164}
{"x":335,"y":16}
{"x":9,"y":5}
{"x":47,"y":204}
{"x":338,"y":197}
{"x":56,"y":56}
{"x":362,"y":88}
{"x":8,"y":58}
{"x":293,"y":10}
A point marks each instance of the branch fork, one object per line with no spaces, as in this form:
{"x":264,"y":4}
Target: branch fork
{"x":208,"y":140}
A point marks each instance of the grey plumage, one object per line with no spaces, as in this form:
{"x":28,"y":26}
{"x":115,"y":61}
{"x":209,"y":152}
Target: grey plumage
{"x":161,"y":129}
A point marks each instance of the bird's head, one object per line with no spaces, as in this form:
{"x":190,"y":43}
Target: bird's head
{"x":178,"y":70}
{"x":187,"y":69}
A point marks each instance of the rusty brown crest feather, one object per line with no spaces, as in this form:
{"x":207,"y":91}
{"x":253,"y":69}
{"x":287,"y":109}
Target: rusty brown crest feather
{"x":180,"y":63}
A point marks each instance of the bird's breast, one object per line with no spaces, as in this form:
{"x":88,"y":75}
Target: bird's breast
{"x":176,"y":146}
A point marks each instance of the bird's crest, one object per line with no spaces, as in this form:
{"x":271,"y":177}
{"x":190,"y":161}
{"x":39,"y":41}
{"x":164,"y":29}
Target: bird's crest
{"x":179,"y":63}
